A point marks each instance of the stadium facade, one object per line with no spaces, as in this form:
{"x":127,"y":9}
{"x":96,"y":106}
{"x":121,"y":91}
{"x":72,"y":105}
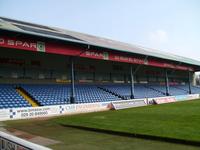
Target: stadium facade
{"x":42,"y":66}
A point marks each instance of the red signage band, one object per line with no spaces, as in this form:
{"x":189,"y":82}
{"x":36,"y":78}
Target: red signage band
{"x":18,"y":44}
{"x":69,"y":50}
{"x":127,"y":59}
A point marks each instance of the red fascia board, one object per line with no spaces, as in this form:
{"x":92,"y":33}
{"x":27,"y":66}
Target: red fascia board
{"x":73,"y":50}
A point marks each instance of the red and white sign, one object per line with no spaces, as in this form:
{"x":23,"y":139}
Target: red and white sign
{"x":128,"y":103}
{"x":127,"y":59}
{"x":70,"y":50}
{"x":162,"y":100}
{"x":22,"y":44}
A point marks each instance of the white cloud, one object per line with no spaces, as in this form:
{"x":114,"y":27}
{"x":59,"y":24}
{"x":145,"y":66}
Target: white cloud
{"x":158,"y":37}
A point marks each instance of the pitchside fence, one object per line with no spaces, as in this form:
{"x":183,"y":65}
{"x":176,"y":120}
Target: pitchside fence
{"x":57,"y":110}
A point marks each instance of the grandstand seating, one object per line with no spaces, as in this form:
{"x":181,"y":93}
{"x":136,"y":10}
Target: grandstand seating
{"x":9,"y":98}
{"x":91,"y":93}
{"x":48,"y":94}
{"x":124,"y":90}
{"x":175,"y":90}
{"x":157,"y":87}
{"x":194,"y":89}
{"x":149,"y":90}
{"x":60,"y":94}
{"x":56,"y":94}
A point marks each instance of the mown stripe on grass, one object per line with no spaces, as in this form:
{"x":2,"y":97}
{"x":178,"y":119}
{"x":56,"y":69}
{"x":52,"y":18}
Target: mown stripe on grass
{"x":136,"y":135}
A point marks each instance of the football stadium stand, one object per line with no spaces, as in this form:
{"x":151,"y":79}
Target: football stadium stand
{"x":42,"y":66}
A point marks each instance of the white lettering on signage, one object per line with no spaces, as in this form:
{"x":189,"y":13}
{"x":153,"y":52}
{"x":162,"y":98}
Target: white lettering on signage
{"x":129,"y":59}
{"x":18,"y":43}
{"x":25,"y":44}
{"x":33,"y":45}
{"x":94,"y":54}
{"x":1,"y":41}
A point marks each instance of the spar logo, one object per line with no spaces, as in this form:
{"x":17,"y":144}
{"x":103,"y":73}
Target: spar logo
{"x":41,"y":46}
{"x":105,"y":55}
{"x":22,"y":44}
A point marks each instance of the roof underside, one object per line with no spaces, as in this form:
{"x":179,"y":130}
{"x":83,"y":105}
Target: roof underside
{"x":71,"y":36}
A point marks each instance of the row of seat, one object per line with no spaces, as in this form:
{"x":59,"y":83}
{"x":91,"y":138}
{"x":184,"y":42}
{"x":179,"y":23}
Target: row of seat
{"x":57,"y":94}
{"x":54,"y":94}
{"x":124,"y":90}
{"x":9,"y":98}
{"x":149,"y":90}
{"x":175,"y":89}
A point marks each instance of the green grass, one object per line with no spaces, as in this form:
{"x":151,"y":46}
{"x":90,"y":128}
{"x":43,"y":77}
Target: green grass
{"x":75,"y":139}
{"x":177,"y":120}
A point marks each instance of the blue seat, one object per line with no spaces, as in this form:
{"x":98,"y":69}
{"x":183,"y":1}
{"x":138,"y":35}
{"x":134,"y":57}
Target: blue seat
{"x":54,"y":94}
{"x":9,"y":98}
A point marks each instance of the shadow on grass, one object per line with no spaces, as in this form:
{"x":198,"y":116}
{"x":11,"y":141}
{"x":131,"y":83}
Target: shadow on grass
{"x":136,"y":135}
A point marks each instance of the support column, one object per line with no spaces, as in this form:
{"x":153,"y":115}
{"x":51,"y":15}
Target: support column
{"x":189,"y":82}
{"x":72,"y":96}
{"x":132,"y":82}
{"x":166,"y":83}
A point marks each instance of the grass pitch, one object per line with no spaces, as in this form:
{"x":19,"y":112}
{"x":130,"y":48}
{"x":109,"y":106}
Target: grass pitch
{"x":179,"y":120}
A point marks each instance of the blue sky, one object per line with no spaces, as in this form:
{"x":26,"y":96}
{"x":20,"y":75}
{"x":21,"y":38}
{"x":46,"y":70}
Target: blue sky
{"x":167,"y":25}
